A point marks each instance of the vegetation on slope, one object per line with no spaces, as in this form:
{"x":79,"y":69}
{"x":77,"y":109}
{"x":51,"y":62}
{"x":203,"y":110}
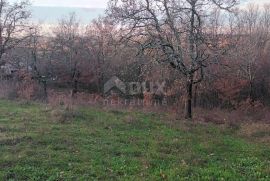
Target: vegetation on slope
{"x":41,"y":143}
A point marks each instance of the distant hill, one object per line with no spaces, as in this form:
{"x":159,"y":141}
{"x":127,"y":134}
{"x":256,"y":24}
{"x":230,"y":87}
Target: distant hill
{"x":51,"y":15}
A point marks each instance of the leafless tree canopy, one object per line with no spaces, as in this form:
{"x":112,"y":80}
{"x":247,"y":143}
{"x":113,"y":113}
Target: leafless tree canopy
{"x":211,"y":53}
{"x":171,"y":31}
{"x":13,"y":24}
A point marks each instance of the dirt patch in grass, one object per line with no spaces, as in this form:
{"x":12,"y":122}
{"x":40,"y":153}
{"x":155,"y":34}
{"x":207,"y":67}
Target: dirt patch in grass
{"x":3,"y":129}
{"x":65,"y":115}
{"x":15,"y":141}
{"x":256,"y":131}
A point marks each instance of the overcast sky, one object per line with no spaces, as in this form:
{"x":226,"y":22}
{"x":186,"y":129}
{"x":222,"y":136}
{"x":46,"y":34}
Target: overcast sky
{"x":70,"y":3}
{"x":98,"y":3}
{"x":260,"y":2}
{"x":50,"y":11}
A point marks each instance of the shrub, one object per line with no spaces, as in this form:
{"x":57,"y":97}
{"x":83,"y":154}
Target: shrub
{"x":65,"y":114}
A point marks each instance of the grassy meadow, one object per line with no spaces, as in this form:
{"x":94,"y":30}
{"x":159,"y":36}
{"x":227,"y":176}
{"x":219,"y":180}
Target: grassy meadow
{"x":38,"y":142}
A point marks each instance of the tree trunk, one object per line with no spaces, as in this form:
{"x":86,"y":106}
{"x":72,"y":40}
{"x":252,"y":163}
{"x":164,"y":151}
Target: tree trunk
{"x":251,"y":90}
{"x":44,"y":82}
{"x":195,"y":96}
{"x":100,"y":83}
{"x":75,"y":88}
{"x":189,"y":87}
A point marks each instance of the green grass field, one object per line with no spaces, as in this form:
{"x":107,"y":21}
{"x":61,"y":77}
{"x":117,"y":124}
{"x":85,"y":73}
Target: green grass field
{"x":39,"y":143}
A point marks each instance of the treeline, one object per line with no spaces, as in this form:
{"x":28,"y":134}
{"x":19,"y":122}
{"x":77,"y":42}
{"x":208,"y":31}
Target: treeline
{"x":82,"y":58}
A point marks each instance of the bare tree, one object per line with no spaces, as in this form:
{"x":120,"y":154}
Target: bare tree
{"x":172,"y":32}
{"x":13,"y":25}
{"x":253,"y":33}
{"x":100,"y":35}
{"x":38,"y":57}
{"x":67,"y":43}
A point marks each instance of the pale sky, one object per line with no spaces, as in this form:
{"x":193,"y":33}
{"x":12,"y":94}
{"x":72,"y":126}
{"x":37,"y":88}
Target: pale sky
{"x":50,"y":11}
{"x":100,"y":3}
{"x":70,"y":3}
{"x":260,"y":2}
